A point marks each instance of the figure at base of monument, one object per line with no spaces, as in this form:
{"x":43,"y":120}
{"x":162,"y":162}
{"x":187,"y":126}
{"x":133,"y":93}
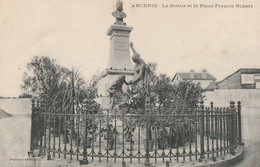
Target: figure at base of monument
{"x":116,"y":95}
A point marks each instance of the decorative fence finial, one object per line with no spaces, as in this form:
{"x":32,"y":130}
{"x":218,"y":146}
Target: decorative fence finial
{"x":211,"y":105}
{"x":33,"y":103}
{"x":232,"y":104}
{"x":202,"y":104}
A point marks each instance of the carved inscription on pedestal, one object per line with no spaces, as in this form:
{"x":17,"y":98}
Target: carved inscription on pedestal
{"x":121,"y":44}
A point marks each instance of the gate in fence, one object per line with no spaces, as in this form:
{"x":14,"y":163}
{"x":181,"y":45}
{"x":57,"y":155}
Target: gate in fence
{"x":150,"y":137}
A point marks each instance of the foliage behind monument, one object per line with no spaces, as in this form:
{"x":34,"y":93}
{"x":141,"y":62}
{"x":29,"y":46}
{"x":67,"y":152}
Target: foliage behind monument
{"x":165,"y":94}
{"x":58,"y":86}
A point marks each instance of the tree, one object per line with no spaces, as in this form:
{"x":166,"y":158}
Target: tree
{"x":92,"y":94}
{"x":163,"y":90}
{"x":25,"y":95}
{"x":167,"y":95}
{"x":57,"y":86}
{"x":186,"y":95}
{"x":44,"y":78}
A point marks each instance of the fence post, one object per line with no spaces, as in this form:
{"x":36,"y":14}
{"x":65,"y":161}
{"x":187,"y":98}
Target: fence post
{"x":147,"y":140}
{"x":232,"y":130}
{"x":239,"y":123}
{"x":148,"y":119}
{"x":32,"y":147}
{"x":207,"y":130}
{"x":202,"y":128}
{"x":85,"y":155}
{"x":212,"y":136}
{"x":40,"y":126}
{"x":49,"y":133}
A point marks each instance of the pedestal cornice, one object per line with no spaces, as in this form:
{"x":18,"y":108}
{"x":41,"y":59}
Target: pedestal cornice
{"x":116,"y":72}
{"x":118,"y":27}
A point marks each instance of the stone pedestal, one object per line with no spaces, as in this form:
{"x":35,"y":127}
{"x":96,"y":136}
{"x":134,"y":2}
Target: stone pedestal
{"x":119,"y":56}
{"x":119,"y":61}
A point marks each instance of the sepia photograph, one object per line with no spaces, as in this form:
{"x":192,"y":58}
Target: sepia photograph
{"x":129,"y":83}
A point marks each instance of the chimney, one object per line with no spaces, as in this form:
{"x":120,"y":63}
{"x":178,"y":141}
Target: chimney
{"x":192,"y":76}
{"x":204,"y":74}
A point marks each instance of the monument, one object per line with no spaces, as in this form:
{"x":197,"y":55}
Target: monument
{"x":119,"y":56}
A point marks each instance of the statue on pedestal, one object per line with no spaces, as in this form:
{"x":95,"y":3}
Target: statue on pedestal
{"x":119,"y":14}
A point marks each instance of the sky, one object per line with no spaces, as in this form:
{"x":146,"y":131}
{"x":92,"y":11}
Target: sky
{"x":178,"y":39}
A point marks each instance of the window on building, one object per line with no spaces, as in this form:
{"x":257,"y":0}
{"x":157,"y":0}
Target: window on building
{"x":257,"y":85}
{"x":247,"y":79}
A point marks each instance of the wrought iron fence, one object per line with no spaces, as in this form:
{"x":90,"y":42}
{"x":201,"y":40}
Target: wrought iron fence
{"x":188,"y":135}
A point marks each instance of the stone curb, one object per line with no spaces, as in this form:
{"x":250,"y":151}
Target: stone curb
{"x":228,"y":161}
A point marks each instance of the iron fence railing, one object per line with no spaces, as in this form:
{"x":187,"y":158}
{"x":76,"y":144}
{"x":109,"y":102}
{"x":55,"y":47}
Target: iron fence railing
{"x":190,"y":135}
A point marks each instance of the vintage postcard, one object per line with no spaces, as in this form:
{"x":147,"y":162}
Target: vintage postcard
{"x":129,"y":83}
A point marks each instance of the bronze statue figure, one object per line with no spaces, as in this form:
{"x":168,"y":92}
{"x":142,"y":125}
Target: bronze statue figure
{"x":119,"y":14}
{"x":140,"y":70}
{"x":139,"y":90}
{"x":116,"y":94}
{"x":140,"y":80}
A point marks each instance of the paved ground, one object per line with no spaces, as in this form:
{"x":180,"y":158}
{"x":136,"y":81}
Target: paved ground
{"x":251,"y":137}
{"x":15,"y":139}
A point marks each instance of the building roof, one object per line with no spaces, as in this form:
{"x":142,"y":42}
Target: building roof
{"x":197,"y":76}
{"x":244,"y":71}
{"x":212,"y":86}
{"x":4,"y":114}
{"x":250,"y":70}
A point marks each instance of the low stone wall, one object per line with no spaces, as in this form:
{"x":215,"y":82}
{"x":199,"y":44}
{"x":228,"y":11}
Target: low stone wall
{"x":221,"y":98}
{"x":16,"y":106}
{"x":225,"y":161}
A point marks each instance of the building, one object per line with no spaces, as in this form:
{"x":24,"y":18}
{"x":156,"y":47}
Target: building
{"x":244,"y":78}
{"x":203,"y":78}
{"x":212,"y":86}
